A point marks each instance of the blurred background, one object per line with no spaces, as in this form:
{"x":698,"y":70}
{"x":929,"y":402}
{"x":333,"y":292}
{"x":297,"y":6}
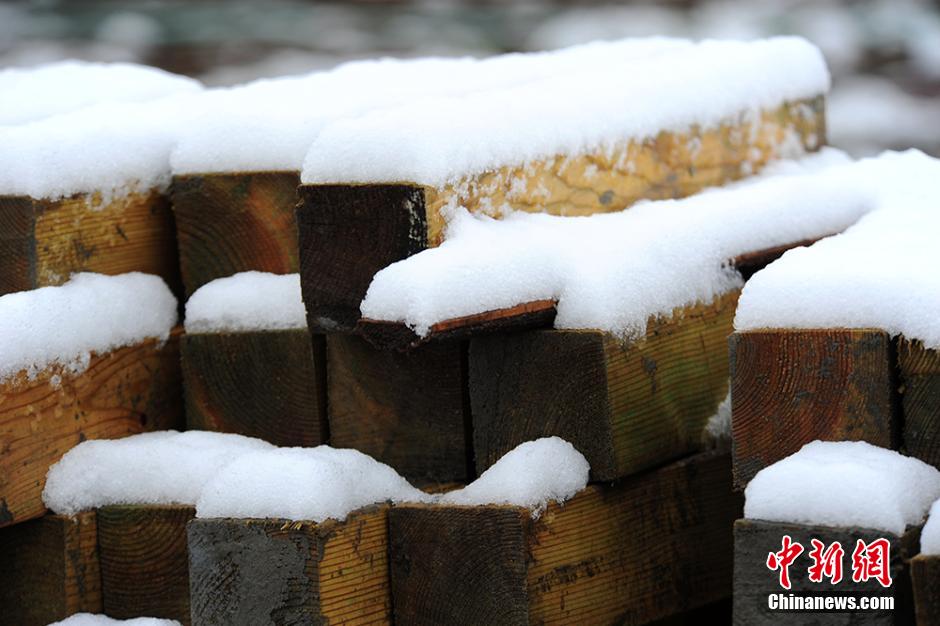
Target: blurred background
{"x":884,"y":55}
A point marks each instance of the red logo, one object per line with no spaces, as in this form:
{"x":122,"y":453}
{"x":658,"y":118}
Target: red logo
{"x":782,"y":560}
{"x":869,"y":561}
{"x":872,"y":560}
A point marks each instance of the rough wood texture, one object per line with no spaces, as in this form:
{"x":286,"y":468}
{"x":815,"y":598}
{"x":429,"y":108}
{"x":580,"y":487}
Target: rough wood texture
{"x":408,"y":410}
{"x":919,"y":371}
{"x":258,"y":572}
{"x":266,"y":384}
{"x":50,"y":570}
{"x":626,"y":406}
{"x":754,"y":581}
{"x":790,"y":387}
{"x":127,"y":391}
{"x":229,"y":223}
{"x":42,"y":242}
{"x":646,"y":548}
{"x":347,"y":233}
{"x":144,"y":561}
{"x":925,"y":578}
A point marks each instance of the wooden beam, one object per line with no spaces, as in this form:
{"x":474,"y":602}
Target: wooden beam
{"x":625,"y":405}
{"x":408,"y":410}
{"x":648,"y":547}
{"x":230,"y":223}
{"x":42,"y":242}
{"x":144,"y":561}
{"x":347,"y":233}
{"x":50,"y":569}
{"x":251,"y":572}
{"x":265,"y":384}
{"x":754,"y":540}
{"x":790,"y":387}
{"x":127,"y":391}
{"x":919,"y":371}
{"x":925,"y":578}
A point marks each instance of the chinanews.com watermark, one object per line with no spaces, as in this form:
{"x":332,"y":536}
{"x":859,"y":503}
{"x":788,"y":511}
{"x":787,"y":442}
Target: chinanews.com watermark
{"x":870,"y":561}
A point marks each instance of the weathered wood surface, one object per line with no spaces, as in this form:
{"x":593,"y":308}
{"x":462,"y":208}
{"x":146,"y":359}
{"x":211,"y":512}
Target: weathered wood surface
{"x":790,"y":387}
{"x":127,"y":391}
{"x":265,"y":384}
{"x":919,"y":372}
{"x":645,"y":548}
{"x":528,"y":315}
{"x":49,"y":570}
{"x":925,"y":579}
{"x":625,"y":405}
{"x":408,"y":410}
{"x":347,"y":233}
{"x":229,"y":223}
{"x":754,"y":581}
{"x":258,"y":572}
{"x":144,"y":561}
{"x":42,"y":242}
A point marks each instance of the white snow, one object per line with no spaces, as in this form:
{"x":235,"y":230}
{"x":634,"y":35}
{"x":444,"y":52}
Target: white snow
{"x":930,"y":535}
{"x":247,"y":301}
{"x":846,"y":484}
{"x":270,"y":124}
{"x":29,"y":94}
{"x":531,"y":475}
{"x":94,"y":619}
{"x":165,"y":467}
{"x":63,"y":325}
{"x":112,"y":148}
{"x":436,"y":140}
{"x":880,"y":273}
{"x":718,"y":426}
{"x":303,"y":484}
{"x":614,"y":271}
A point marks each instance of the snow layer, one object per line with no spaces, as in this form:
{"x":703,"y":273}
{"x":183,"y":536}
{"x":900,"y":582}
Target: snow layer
{"x":845,"y":483}
{"x":718,"y":427}
{"x":880,"y":273}
{"x":151,"y":468}
{"x":930,"y":536}
{"x":90,"y":313}
{"x":436,"y":140}
{"x":247,"y":301}
{"x":31,"y":94}
{"x":614,"y":271}
{"x":94,"y":619}
{"x":303,"y":484}
{"x":110,"y":147}
{"x":531,"y":475}
{"x":270,"y":124}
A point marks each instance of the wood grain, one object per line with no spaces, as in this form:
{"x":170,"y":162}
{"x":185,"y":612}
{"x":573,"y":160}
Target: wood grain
{"x":408,"y":410}
{"x":265,"y":384}
{"x":127,"y":391}
{"x":925,"y":579}
{"x":791,"y":387}
{"x":144,"y":561}
{"x":753,"y":581}
{"x":258,"y":572}
{"x":50,"y":569}
{"x":919,"y":371}
{"x":347,"y":233}
{"x":229,"y":223}
{"x":625,"y":405}
{"x":648,"y":547}
{"x":45,"y":241}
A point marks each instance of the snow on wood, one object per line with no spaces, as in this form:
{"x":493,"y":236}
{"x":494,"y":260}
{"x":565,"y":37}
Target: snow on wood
{"x":847,"y":484}
{"x":150,"y":468}
{"x":613,"y":272}
{"x":30,"y":94}
{"x":247,"y":301}
{"x":439,"y":141}
{"x":63,"y":326}
{"x":94,"y":619}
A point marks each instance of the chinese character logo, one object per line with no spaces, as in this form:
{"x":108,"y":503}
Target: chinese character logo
{"x":783,"y":559}
{"x":870,"y":561}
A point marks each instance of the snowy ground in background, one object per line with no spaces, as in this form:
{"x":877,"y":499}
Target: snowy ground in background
{"x":864,"y":42}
